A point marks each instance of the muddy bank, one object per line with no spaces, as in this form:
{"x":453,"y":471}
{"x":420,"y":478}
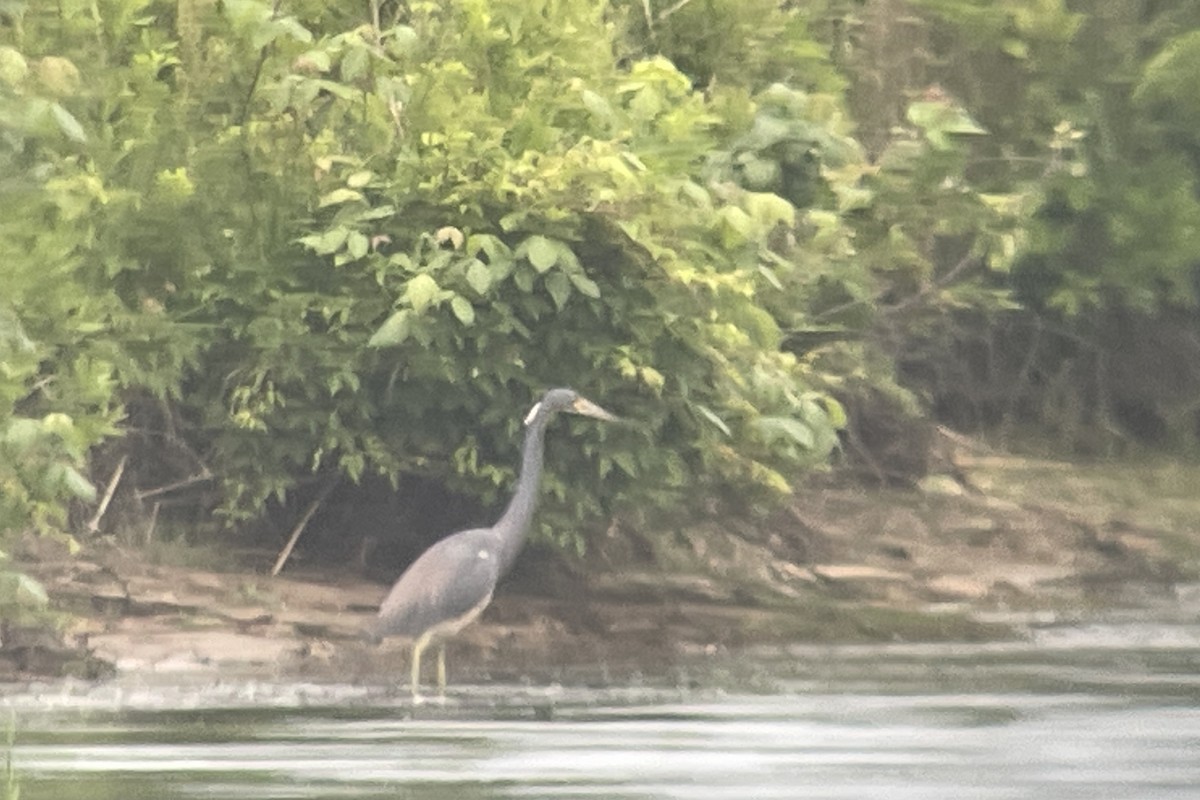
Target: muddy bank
{"x":954,"y":560}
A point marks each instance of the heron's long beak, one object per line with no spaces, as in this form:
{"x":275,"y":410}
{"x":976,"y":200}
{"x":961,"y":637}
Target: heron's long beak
{"x":589,"y":409}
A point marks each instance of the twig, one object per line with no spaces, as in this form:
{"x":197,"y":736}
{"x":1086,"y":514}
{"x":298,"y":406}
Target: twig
{"x":1021,"y":383}
{"x":263,"y":53}
{"x":94,"y":523}
{"x":153,"y":522}
{"x":945,"y":280}
{"x":865,"y":453}
{"x":299,"y":529}
{"x":887,"y":311}
{"x":170,"y":487}
{"x":965,"y":442}
{"x":649,"y":17}
{"x":673,"y":9}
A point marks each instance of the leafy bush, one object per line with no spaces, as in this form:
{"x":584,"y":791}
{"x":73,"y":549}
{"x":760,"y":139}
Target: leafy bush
{"x":310,"y":243}
{"x":367,"y":250}
{"x":57,"y":362}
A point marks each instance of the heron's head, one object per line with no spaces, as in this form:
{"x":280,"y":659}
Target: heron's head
{"x":570,"y":401}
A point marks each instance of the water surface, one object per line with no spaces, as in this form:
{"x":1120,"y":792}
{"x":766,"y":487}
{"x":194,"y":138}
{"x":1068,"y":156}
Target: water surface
{"x":1106,"y":709}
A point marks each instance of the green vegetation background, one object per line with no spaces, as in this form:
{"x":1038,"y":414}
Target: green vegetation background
{"x":248,"y":248}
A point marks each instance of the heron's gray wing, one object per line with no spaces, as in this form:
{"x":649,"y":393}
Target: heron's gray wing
{"x":445,"y":583}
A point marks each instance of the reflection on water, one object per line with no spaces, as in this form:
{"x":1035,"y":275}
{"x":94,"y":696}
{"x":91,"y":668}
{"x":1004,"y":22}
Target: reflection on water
{"x":1101,"y":711}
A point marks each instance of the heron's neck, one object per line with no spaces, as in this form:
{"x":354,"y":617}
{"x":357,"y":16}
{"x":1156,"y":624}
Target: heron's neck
{"x":514,"y":523}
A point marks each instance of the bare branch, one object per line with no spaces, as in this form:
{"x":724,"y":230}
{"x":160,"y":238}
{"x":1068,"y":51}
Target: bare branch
{"x":94,"y":523}
{"x":673,"y":9}
{"x":153,"y":522}
{"x":170,"y":487}
{"x":649,"y":17}
{"x":299,"y":529}
{"x":945,"y":280}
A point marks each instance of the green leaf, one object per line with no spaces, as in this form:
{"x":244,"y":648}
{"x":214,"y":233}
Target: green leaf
{"x":938,"y":119}
{"x":769,"y":209}
{"x":1001,"y":252}
{"x":523,"y":278}
{"x":771,"y":277}
{"x":774,"y":427}
{"x":584,"y":284}
{"x":313,"y":61}
{"x":734,"y":227}
{"x":853,"y":198}
{"x":339,"y":196}
{"x":479,"y":277}
{"x":272,"y":29}
{"x":624,"y":460}
{"x":1017,"y":48}
{"x":513,"y":220}
{"x":420,"y":292}
{"x":394,"y":331}
{"x":30,"y":592}
{"x":463,"y":309}
{"x":17,"y":588}
{"x":597,"y":106}
{"x":328,"y":242}
{"x":559,"y":288}
{"x":68,"y":124}
{"x":357,"y":244}
{"x":22,"y":432}
{"x":567,"y":260}
{"x":77,"y":485}
{"x":541,"y":252}
{"x":13,"y":67}
{"x":835,"y":412}
{"x":760,"y":174}
{"x":381,"y":212}
{"x":354,"y":63}
{"x":491,"y":246}
{"x":652,"y":378}
{"x":402,"y":40}
{"x":712,"y":417}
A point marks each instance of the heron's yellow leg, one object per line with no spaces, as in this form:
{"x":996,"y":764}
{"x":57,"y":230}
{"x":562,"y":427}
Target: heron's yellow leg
{"x":416,"y":667}
{"x":441,"y":675}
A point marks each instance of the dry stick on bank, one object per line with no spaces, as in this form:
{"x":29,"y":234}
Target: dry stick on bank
{"x":299,"y":529}
{"x":94,"y":523}
{"x":152,"y":523}
{"x":161,"y":490}
{"x":170,"y":487}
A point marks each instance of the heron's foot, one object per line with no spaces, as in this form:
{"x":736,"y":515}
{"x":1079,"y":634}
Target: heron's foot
{"x":418,"y":699}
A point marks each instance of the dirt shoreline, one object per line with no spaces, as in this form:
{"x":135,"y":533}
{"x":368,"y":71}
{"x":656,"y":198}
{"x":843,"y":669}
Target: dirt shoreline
{"x":844,"y":563}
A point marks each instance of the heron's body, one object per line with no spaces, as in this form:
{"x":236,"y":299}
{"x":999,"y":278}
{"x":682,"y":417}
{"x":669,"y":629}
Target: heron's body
{"x":452,"y":582}
{"x":462,"y":569}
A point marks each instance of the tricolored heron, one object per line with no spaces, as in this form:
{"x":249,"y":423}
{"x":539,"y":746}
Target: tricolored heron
{"x":451,"y":583}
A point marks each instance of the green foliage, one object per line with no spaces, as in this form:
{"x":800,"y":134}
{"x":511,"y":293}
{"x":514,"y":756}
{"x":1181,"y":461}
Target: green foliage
{"x":326,"y":246}
{"x":1119,"y":226}
{"x":324,"y":243}
{"x":745,"y":43}
{"x":1164,"y":91}
{"x":1105,"y":88}
{"x":57,"y":363}
{"x":568,"y":243}
{"x":1091,"y":162}
{"x":796,"y":140}
{"x":872,"y":236}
